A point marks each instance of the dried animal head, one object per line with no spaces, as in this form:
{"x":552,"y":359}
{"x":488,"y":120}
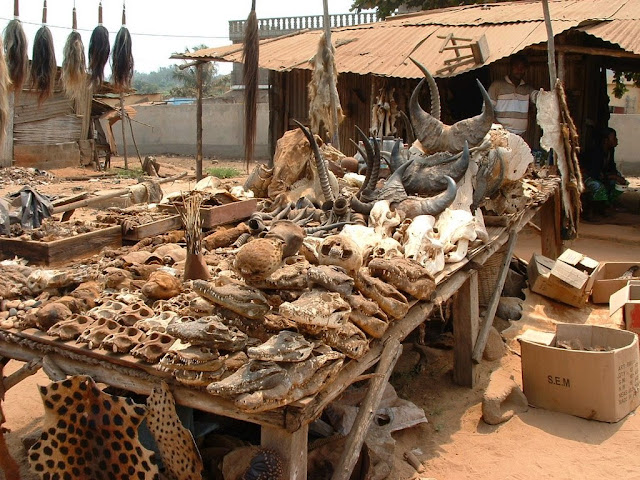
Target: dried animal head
{"x":290,"y":233}
{"x":331,"y":277}
{"x":255,"y":375}
{"x":241,"y":299}
{"x":405,"y":275}
{"x":123,"y":340}
{"x":456,"y":229}
{"x":317,"y":310}
{"x":157,"y":323}
{"x":208,"y":331}
{"x":162,"y":285}
{"x":134,"y":313}
{"x":291,"y":276}
{"x":387,"y":248}
{"x":422,"y":245}
{"x":108,"y":310}
{"x":285,"y":347}
{"x":259,"y":258}
{"x":193,"y":365}
{"x":392,"y":302}
{"x":153,"y":347}
{"x":341,"y":251}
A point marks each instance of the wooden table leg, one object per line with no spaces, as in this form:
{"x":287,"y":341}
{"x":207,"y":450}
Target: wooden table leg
{"x":291,"y":446}
{"x":466,"y":322}
{"x":550,"y":228}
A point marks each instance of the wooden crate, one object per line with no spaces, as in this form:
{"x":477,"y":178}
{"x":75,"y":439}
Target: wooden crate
{"x":64,"y":250}
{"x":157,"y":227}
{"x":221,"y":214}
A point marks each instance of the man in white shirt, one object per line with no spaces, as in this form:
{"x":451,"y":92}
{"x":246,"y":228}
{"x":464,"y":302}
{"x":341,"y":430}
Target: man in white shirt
{"x":511,"y":97}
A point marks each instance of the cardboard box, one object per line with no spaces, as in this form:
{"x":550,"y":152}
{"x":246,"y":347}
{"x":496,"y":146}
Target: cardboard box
{"x":624,"y":306}
{"x":597,"y":385}
{"x":607,"y":281}
{"x":568,"y":280}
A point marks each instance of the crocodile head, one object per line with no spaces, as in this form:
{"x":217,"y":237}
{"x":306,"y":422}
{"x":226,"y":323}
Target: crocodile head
{"x":192,"y":365}
{"x":244,"y":300}
{"x":209,"y":331}
{"x":285,"y":347}
{"x":253,"y":376}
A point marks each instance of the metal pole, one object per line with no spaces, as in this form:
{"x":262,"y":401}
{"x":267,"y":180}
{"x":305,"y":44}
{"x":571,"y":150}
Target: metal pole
{"x":199,"y":123}
{"x":334,"y":101}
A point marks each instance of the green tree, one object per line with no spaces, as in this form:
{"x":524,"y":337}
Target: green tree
{"x":619,"y":87}
{"x":384,"y":8}
{"x":212,"y":83}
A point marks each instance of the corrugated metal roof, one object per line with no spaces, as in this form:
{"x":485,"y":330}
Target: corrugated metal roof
{"x":625,"y":33}
{"x":384,"y":48}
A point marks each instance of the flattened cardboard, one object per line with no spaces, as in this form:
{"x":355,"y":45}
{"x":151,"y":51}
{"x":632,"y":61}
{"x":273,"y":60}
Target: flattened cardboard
{"x":559,"y":280}
{"x":606,"y":281}
{"x":597,"y":385}
{"x":624,"y":306}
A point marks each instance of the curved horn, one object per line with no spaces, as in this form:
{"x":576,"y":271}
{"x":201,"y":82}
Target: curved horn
{"x":411,"y":136}
{"x":436,"y":205}
{"x":320,"y":163}
{"x":361,"y":207}
{"x":396,"y":158}
{"x":368,"y":159}
{"x":433,"y":89}
{"x":375,"y":169}
{"x":427,"y":128}
{"x":475,"y":128}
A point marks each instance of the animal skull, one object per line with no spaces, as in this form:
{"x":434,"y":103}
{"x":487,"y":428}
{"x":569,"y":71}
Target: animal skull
{"x":456,"y":229}
{"x":108,"y":310}
{"x":383,"y":220}
{"x":134,"y":313}
{"x":387,"y":248}
{"x":159,"y":323}
{"x":123,"y":340}
{"x":71,"y":328}
{"x":419,"y":227}
{"x":97,"y":332}
{"x":341,"y":251}
{"x":153,"y":347}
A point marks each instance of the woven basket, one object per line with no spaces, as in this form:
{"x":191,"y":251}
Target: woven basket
{"x":488,"y":275}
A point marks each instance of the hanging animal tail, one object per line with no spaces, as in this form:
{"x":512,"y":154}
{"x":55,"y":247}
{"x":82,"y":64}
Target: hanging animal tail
{"x":73,"y":64}
{"x":122,"y":57}
{"x":99,"y":48}
{"x":16,"y":46}
{"x":43,"y":61}
{"x":5,"y":84}
{"x":250,"y":57}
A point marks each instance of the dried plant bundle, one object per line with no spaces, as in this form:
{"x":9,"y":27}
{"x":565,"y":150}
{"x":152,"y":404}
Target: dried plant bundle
{"x":43,"y":63}
{"x":250,"y":56}
{"x":16,"y":46}
{"x":190,"y":213}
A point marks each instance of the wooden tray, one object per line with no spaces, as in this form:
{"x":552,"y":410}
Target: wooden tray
{"x":157,"y":227}
{"x":221,"y":214}
{"x":64,"y":250}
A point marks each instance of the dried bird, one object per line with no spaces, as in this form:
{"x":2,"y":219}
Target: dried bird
{"x":73,"y":64}
{"x":99,"y":47}
{"x":250,"y":55}
{"x":43,"y":62}
{"x":15,"y":46}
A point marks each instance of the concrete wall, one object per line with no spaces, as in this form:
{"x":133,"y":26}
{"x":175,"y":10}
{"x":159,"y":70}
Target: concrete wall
{"x":627,"y":127}
{"x":174,"y":130}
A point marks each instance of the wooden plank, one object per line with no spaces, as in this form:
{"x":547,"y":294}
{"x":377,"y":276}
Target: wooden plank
{"x":367,"y":411}
{"x":64,"y":250}
{"x":221,"y":214}
{"x":483,"y":336}
{"x":466,"y":322}
{"x":47,"y":156}
{"x":550,"y":235}
{"x":292,"y":446}
{"x":157,"y":227}
{"x":6,"y":148}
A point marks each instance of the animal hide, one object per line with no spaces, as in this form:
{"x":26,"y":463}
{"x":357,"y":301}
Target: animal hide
{"x":15,"y":45}
{"x":99,"y":47}
{"x":73,"y":64}
{"x":43,"y":64}
{"x":322,"y":86}
{"x":5,"y":83}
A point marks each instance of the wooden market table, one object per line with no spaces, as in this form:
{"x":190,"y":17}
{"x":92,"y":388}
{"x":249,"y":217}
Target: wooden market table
{"x":285,"y":429}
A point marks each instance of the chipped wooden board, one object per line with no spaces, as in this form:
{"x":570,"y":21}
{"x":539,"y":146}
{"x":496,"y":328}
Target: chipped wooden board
{"x":151,"y":229}
{"x":222,"y":214}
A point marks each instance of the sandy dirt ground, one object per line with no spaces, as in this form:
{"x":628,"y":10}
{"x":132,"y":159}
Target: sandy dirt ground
{"x":456,"y":443}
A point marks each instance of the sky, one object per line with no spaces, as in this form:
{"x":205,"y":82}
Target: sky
{"x":158,"y":28}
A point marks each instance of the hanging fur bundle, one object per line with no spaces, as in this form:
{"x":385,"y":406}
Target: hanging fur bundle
{"x":74,"y":64}
{"x":99,"y":48}
{"x":250,"y":56}
{"x":5,"y":83}
{"x":43,"y":61}
{"x":322,"y":82}
{"x":122,"y":58}
{"x":15,"y":44}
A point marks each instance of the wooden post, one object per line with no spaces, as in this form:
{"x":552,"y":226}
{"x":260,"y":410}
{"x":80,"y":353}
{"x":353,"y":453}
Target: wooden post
{"x":124,"y":140}
{"x":551,"y":49}
{"x":466,"y":322}
{"x":367,"y":410}
{"x":550,"y":235}
{"x":199,"y":122}
{"x":478,"y":350}
{"x":291,"y":446}
{"x":334,"y":101}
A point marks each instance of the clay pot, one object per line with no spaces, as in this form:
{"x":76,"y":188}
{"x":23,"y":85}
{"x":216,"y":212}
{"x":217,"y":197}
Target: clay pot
{"x":195,"y":268}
